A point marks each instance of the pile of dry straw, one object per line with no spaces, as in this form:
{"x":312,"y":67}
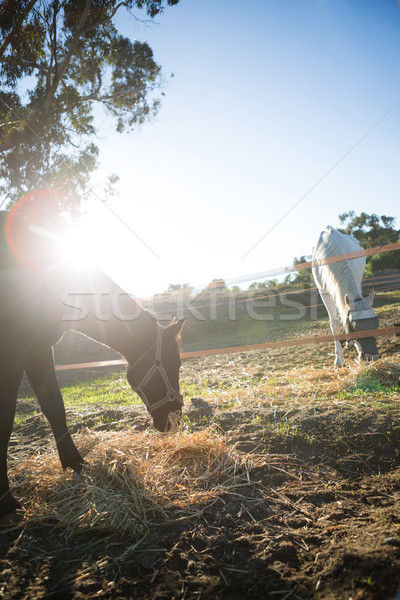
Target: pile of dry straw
{"x":386,"y":371}
{"x":310,"y":381}
{"x":131,"y":481}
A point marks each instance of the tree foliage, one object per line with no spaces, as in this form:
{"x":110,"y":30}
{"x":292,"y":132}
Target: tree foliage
{"x":58,"y":60}
{"x":175,"y":287}
{"x":303,"y":277}
{"x":373,"y":231}
{"x":264,"y":285}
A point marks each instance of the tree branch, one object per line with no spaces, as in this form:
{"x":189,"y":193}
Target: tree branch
{"x":53,"y":44}
{"x":12,"y":141}
{"x":16,"y":27}
{"x":95,"y":98}
{"x":116,"y":9}
{"x":64,"y":65}
{"x":9,"y":60}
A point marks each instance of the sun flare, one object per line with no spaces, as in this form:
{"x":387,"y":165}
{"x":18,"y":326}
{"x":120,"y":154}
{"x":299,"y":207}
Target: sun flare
{"x":100,"y":240}
{"x":78,"y":248}
{"x":39,"y":236}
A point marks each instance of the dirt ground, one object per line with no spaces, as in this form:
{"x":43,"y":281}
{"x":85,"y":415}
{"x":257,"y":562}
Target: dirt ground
{"x":318,"y":519}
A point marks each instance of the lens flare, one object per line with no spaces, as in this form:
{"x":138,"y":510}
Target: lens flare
{"x":78,"y":248}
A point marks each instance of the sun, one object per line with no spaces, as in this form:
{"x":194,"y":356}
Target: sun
{"x":78,"y":248}
{"x":40,"y":237}
{"x":96,"y":240}
{"x":103,"y":239}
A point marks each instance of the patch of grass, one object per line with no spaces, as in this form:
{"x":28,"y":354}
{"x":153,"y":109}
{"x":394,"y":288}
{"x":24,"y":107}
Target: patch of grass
{"x":21,"y":418}
{"x":286,"y":429}
{"x":107,"y":391}
{"x":193,"y":389}
{"x":246,"y":330}
{"x":390,"y":303}
{"x":231,"y":403}
{"x":205,"y":386}
{"x":367,"y":381}
{"x":384,"y":400}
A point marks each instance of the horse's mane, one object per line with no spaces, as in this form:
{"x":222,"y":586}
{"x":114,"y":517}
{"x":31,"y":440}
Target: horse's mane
{"x":179,"y":342}
{"x":338,"y":279}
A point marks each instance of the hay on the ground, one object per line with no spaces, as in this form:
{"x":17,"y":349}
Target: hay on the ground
{"x":131,"y":480}
{"x":302,"y":382}
{"x":386,"y":371}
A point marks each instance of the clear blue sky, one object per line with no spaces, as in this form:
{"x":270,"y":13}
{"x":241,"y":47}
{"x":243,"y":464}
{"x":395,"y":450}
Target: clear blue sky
{"x":267,"y":96}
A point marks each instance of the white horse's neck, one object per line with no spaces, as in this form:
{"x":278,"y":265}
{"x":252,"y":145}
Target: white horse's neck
{"x":340,"y":282}
{"x":341,"y":278}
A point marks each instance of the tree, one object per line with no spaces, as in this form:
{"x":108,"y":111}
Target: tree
{"x":372,"y":231}
{"x":303,"y":277}
{"x":175,"y":287}
{"x":58,"y":59}
{"x":264,"y":285}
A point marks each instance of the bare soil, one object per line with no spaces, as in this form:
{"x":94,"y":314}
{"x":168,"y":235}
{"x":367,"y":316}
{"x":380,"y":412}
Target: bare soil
{"x":320,"y":519}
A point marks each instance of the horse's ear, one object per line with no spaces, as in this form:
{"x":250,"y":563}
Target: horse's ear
{"x":370,"y":298}
{"x":176,"y":325}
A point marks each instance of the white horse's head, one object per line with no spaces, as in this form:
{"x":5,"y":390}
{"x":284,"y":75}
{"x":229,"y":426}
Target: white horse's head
{"x":362,"y":318}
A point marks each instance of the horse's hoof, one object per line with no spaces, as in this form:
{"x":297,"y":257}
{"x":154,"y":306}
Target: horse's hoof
{"x":12,"y":518}
{"x":76,"y":467}
{"x":370,"y":358}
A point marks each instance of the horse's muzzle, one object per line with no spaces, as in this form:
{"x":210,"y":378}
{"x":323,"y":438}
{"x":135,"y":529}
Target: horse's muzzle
{"x":173,"y":420}
{"x":169,"y":421}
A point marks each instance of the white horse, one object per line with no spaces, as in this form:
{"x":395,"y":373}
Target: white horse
{"x":339,"y":284}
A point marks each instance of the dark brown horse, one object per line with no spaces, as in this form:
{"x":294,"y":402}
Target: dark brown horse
{"x":41,"y":298}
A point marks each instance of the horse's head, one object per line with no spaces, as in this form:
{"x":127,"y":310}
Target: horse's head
{"x":155,"y":376}
{"x":361,"y":317}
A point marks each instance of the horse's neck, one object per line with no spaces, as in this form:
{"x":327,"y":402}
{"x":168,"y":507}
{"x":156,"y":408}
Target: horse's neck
{"x":345,"y":284}
{"x":127,"y":336}
{"x":100,"y":309}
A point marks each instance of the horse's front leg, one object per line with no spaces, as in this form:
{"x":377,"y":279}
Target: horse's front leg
{"x":10,"y":379}
{"x":42,"y":376}
{"x":335,"y":326}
